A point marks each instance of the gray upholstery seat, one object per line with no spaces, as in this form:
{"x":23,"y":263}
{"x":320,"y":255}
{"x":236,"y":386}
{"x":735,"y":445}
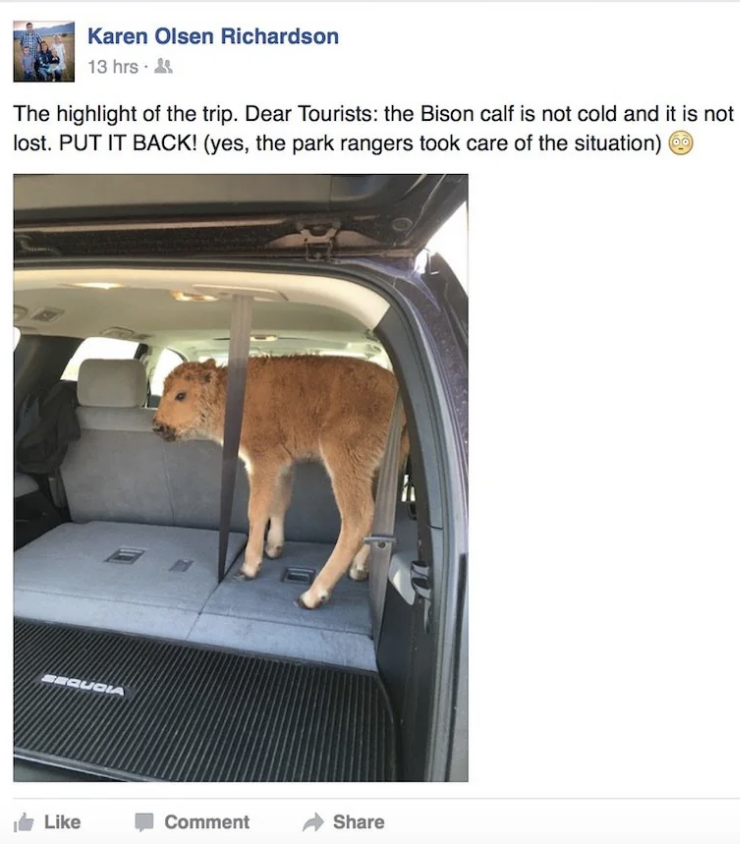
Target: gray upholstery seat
{"x":116,"y":471}
{"x":23,"y":485}
{"x":120,"y":471}
{"x":193,"y":471}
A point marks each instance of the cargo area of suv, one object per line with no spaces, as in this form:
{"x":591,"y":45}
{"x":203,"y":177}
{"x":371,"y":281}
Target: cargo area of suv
{"x":134,"y":659}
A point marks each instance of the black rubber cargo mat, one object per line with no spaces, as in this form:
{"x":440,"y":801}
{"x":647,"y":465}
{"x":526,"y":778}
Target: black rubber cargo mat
{"x":142,"y":709}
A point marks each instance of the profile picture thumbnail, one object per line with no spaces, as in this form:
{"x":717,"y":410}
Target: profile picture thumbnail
{"x":43,"y":51}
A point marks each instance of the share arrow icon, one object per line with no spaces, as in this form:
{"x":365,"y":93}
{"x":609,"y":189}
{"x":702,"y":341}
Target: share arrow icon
{"x":316,"y":822}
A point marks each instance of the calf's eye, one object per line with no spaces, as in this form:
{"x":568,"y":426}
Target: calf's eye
{"x":180,"y":397}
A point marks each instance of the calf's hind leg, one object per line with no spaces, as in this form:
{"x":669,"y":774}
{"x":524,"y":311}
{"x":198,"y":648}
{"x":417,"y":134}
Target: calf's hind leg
{"x":351,"y":476}
{"x":360,"y":568}
{"x":280,"y":504}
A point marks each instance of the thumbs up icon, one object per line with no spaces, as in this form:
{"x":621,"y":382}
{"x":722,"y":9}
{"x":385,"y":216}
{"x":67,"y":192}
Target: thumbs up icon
{"x":24,"y":824}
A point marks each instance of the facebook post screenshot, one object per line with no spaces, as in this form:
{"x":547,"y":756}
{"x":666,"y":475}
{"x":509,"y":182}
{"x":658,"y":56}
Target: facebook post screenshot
{"x":298,"y":552}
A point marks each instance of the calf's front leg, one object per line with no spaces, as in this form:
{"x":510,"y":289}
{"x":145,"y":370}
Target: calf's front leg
{"x":262,"y":481}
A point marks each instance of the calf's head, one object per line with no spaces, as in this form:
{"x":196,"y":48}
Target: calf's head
{"x":190,"y":399}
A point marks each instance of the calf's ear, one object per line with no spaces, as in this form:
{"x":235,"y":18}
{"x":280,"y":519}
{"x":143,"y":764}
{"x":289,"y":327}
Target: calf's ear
{"x":208,"y":367}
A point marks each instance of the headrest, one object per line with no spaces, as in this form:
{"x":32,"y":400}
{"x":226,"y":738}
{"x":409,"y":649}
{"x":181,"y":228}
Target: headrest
{"x":111,"y":383}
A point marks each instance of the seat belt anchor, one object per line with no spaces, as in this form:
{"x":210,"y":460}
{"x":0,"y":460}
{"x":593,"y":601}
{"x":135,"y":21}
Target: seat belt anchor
{"x":380,"y":541}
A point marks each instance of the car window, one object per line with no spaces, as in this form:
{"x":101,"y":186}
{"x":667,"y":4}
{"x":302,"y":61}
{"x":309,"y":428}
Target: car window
{"x":451,"y":242}
{"x":167,"y":361}
{"x":221,"y":357}
{"x":99,"y":347}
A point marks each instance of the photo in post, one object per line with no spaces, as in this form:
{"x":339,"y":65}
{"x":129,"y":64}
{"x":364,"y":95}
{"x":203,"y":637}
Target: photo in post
{"x":218,"y":573}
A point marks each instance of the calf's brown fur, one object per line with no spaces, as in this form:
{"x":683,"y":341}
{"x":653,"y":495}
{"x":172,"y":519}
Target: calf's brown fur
{"x":332,"y":409}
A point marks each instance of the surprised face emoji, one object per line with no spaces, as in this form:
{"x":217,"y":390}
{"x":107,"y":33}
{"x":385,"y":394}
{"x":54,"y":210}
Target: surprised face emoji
{"x":681,"y":143}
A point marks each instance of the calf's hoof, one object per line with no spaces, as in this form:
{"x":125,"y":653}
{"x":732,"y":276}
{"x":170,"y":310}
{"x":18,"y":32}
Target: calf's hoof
{"x":311,"y":599}
{"x":249,"y":571}
{"x":273,"y":551}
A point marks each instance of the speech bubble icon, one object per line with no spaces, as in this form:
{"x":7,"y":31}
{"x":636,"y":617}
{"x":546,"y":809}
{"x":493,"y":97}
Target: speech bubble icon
{"x":144,"y":820}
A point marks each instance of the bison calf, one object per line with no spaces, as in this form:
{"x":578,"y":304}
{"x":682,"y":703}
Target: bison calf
{"x":332,"y":409}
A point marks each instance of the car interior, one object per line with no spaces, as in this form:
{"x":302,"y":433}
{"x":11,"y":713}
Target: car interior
{"x":115,"y":552}
{"x":129,"y":492}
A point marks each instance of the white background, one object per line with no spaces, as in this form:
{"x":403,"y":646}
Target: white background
{"x":605,"y":456}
